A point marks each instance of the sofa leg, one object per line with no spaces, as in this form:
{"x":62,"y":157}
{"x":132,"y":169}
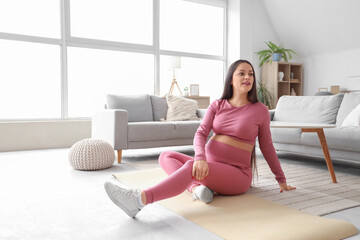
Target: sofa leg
{"x":119,"y":155}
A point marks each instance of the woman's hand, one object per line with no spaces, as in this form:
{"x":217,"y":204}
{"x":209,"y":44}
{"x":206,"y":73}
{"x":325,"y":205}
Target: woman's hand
{"x":200,"y":170}
{"x":284,"y":186}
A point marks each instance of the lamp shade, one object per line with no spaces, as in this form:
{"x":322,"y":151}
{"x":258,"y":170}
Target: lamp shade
{"x":174,"y":62}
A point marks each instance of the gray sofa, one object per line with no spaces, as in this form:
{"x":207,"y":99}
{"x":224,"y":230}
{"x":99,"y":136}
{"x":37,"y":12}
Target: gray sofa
{"x":343,"y":142}
{"x":133,"y":122}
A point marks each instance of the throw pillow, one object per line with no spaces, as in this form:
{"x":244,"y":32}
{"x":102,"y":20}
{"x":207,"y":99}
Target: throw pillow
{"x":353,"y":118}
{"x":181,"y":109}
{"x":159,"y":106}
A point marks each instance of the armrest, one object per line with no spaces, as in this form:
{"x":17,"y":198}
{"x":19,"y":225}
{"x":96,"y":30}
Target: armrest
{"x":272,"y":113}
{"x":200,"y":112}
{"x":111,"y":125}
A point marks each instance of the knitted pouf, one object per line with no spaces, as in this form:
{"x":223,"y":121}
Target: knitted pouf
{"x":91,"y":154}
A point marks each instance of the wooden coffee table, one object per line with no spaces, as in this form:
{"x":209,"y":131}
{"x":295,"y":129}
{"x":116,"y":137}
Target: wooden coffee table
{"x":312,"y":127}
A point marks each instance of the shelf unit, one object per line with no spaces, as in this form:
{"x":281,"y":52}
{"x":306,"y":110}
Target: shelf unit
{"x":269,"y":76}
{"x":203,"y":101}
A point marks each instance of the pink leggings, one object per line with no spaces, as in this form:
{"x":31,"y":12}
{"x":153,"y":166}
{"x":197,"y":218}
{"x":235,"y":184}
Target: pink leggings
{"x":223,"y":178}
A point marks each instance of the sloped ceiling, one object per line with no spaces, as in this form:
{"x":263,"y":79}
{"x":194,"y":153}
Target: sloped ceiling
{"x":316,"y":26}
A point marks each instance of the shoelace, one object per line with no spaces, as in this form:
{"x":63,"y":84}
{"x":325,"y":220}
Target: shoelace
{"x":128,"y":193}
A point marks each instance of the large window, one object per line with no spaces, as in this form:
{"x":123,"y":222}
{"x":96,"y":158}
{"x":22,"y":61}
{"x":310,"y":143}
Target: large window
{"x":60,"y":58}
{"x":191,"y":27}
{"x":35,"y":17}
{"x":94,"y":73}
{"x":30,"y":80}
{"x":207,"y":73}
{"x":122,"y":21}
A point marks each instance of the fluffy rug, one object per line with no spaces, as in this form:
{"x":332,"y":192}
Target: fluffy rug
{"x":315,"y":193}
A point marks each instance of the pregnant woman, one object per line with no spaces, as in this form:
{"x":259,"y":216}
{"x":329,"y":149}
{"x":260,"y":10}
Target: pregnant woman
{"x":223,"y":165}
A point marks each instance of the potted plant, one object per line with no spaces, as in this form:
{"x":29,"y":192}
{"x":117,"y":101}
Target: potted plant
{"x":186,"y":91}
{"x":274,"y":53}
{"x":264,"y":95}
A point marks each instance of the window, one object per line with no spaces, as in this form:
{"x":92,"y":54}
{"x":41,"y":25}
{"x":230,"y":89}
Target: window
{"x":207,"y":73}
{"x":35,"y":17}
{"x":60,"y":58}
{"x":191,"y":27}
{"x":122,"y":21}
{"x":94,"y":73}
{"x":30,"y":80}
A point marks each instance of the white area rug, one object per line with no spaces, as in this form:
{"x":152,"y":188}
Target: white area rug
{"x":315,"y":193}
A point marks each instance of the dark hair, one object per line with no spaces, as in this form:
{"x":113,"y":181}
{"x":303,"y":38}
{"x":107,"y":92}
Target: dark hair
{"x":252,"y":97}
{"x":228,"y":88}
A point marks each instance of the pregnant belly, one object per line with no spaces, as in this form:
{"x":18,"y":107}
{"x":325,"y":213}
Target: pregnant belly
{"x":221,"y":152}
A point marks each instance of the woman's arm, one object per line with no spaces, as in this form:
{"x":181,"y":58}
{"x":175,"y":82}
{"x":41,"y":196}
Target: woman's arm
{"x":267,"y":147}
{"x":200,"y":168}
{"x":203,"y":131}
{"x":268,"y":150}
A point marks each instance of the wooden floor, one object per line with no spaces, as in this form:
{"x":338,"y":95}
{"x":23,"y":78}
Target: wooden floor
{"x":42,"y":197}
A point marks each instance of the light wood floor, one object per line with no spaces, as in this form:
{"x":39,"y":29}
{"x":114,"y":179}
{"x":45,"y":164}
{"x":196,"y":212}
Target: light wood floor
{"x":42,"y":197}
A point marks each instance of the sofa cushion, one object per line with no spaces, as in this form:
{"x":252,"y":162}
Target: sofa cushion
{"x":349,"y":102}
{"x":353,"y":119}
{"x":286,"y":135}
{"x":159,"y":107}
{"x":181,"y":109}
{"x":154,"y":131}
{"x":314,"y":109}
{"x":347,"y":138}
{"x":185,"y":129}
{"x":138,"y":106}
{"x":150,"y":131}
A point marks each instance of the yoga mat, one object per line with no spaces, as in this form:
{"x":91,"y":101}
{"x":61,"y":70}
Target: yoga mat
{"x":244,"y":216}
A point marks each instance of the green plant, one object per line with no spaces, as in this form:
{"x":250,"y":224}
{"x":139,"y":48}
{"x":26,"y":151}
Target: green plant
{"x":186,"y":89}
{"x":266,"y":55}
{"x":264,"y":95}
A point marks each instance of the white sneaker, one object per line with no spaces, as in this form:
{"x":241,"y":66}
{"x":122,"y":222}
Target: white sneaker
{"x":203,"y":193}
{"x":124,"y":198}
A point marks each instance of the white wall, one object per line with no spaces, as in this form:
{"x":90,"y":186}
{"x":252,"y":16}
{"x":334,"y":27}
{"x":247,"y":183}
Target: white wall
{"x":316,"y":27}
{"x":17,"y":136}
{"x":326,"y":36}
{"x":233,"y":44}
{"x":262,"y":30}
{"x":249,"y":26}
{"x":336,"y":68}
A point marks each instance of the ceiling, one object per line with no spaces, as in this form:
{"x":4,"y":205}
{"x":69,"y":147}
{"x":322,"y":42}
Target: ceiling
{"x":313,"y":27}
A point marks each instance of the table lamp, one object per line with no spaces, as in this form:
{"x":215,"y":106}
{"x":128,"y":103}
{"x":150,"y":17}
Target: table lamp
{"x":174,"y":62}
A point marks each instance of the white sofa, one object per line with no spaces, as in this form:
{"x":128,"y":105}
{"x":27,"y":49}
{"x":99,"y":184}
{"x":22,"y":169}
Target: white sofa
{"x":343,"y":142}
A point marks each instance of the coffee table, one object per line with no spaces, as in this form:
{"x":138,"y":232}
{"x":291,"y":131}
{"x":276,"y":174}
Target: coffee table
{"x":312,"y":127}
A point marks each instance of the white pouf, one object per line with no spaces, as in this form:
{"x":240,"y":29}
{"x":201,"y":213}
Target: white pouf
{"x":91,"y":154}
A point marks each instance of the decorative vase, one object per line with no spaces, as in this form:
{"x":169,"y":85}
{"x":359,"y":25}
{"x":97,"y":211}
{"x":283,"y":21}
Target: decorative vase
{"x":293,"y":93}
{"x":280,"y":76}
{"x":277,"y":57}
{"x":186,"y":93}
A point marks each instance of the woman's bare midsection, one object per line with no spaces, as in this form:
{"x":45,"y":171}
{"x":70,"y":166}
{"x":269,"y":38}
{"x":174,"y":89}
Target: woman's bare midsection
{"x":232,"y":142}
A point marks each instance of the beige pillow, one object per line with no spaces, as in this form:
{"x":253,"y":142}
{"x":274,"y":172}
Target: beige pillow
{"x":181,"y":108}
{"x":353,"y":118}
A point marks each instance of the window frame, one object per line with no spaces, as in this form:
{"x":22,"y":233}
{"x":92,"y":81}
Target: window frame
{"x":67,"y":40}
